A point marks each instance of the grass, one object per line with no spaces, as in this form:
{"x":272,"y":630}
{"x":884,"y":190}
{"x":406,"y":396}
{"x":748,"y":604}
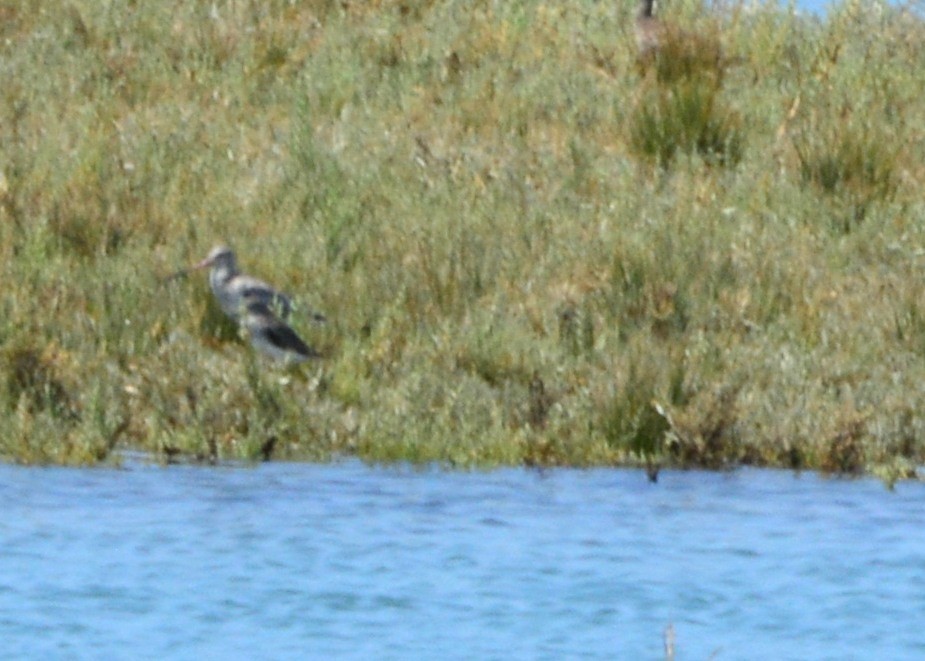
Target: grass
{"x":531,"y":247}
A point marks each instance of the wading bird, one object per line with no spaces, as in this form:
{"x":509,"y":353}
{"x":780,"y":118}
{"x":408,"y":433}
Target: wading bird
{"x":648,"y":31}
{"x":257,"y":307}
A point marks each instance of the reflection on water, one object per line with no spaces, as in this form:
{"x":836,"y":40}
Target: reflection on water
{"x":297,"y":561}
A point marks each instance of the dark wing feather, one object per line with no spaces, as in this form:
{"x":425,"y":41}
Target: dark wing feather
{"x":280,"y":335}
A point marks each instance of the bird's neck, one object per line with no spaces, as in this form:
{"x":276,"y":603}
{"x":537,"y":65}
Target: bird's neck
{"x":222,"y":274}
{"x":645,"y":8}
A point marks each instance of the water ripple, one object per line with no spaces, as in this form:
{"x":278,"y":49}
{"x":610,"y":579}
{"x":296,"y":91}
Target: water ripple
{"x":355,"y":562}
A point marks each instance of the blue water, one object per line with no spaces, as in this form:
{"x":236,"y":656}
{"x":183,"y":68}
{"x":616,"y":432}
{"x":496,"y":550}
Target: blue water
{"x":348,"y":561}
{"x":820,"y":7}
{"x":813,"y":6}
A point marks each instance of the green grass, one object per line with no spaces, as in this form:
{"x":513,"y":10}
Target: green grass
{"x":531,"y":248}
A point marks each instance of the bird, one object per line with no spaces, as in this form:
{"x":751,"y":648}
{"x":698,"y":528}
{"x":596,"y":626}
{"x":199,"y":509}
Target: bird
{"x":676,"y":53}
{"x":271,"y":335}
{"x":258,"y":309}
{"x":649,"y":31}
{"x":233,"y":288}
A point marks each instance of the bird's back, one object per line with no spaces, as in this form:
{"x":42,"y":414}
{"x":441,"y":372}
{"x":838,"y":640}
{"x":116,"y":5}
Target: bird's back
{"x":236,"y":291}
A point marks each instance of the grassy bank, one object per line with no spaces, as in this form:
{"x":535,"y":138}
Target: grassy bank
{"x":531,"y":247}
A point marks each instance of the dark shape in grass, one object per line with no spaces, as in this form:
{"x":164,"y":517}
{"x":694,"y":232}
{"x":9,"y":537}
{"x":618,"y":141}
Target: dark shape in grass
{"x":576,"y":329}
{"x":843,"y":454}
{"x":29,"y":373}
{"x":539,"y":403}
{"x":686,"y":118}
{"x":853,"y":166}
{"x":266,"y":449}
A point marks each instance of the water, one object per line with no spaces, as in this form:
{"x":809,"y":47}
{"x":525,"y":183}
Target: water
{"x":811,"y":6}
{"x":347,"y":561}
{"x":821,"y":7}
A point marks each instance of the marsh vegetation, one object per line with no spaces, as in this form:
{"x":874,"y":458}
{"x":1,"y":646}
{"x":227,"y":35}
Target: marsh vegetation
{"x":532,"y":246}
